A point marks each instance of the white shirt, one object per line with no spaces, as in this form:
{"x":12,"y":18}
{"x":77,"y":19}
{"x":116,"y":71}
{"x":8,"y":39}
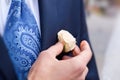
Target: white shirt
{"x":4,"y":9}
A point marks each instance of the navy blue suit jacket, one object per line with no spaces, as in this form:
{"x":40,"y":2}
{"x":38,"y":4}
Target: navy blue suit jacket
{"x":54,"y":16}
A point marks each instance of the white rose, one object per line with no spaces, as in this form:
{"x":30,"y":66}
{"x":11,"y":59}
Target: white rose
{"x":67,"y":39}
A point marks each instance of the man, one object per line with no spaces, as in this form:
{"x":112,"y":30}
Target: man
{"x":47,"y":67}
{"x":54,"y":16}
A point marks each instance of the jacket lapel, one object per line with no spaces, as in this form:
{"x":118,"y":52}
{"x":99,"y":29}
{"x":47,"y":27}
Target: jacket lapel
{"x":49,"y":22}
{"x":6,"y":66}
{"x":56,"y":15}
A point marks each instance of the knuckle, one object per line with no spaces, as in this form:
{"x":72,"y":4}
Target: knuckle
{"x":87,"y":70}
{"x":43,"y":54}
{"x":79,"y":65}
{"x":82,"y":68}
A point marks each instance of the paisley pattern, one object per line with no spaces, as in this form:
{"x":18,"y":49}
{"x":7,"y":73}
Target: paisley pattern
{"x":22,"y":37}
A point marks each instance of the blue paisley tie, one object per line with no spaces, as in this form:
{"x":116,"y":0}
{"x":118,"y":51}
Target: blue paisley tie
{"x":22,"y":37}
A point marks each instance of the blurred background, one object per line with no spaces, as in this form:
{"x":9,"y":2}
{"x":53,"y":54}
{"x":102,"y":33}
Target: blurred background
{"x":103,"y":21}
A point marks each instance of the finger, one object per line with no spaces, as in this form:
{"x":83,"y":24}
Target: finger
{"x":84,"y":45}
{"x":66,"y":57}
{"x":76,"y":51}
{"x":84,"y":57}
{"x":86,"y":52}
{"x":55,"y":49}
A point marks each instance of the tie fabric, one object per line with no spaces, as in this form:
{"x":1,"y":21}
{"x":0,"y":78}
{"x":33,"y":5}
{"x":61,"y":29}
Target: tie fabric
{"x":22,"y":37}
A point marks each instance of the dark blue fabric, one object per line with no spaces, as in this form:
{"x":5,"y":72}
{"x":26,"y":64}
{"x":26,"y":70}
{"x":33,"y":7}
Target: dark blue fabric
{"x":6,"y":68}
{"x":69,"y":15}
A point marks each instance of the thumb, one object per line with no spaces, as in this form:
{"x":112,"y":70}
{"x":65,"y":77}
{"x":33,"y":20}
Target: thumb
{"x":56,"y":49}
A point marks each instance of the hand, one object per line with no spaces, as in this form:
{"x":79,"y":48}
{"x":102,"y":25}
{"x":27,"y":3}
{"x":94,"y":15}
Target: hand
{"x":47,"y":67}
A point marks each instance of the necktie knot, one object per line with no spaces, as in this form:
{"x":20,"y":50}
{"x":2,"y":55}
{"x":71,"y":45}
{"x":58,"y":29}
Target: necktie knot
{"x":18,"y":0}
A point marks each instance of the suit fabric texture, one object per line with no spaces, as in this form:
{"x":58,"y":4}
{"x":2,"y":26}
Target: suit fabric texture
{"x":54,"y":16}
